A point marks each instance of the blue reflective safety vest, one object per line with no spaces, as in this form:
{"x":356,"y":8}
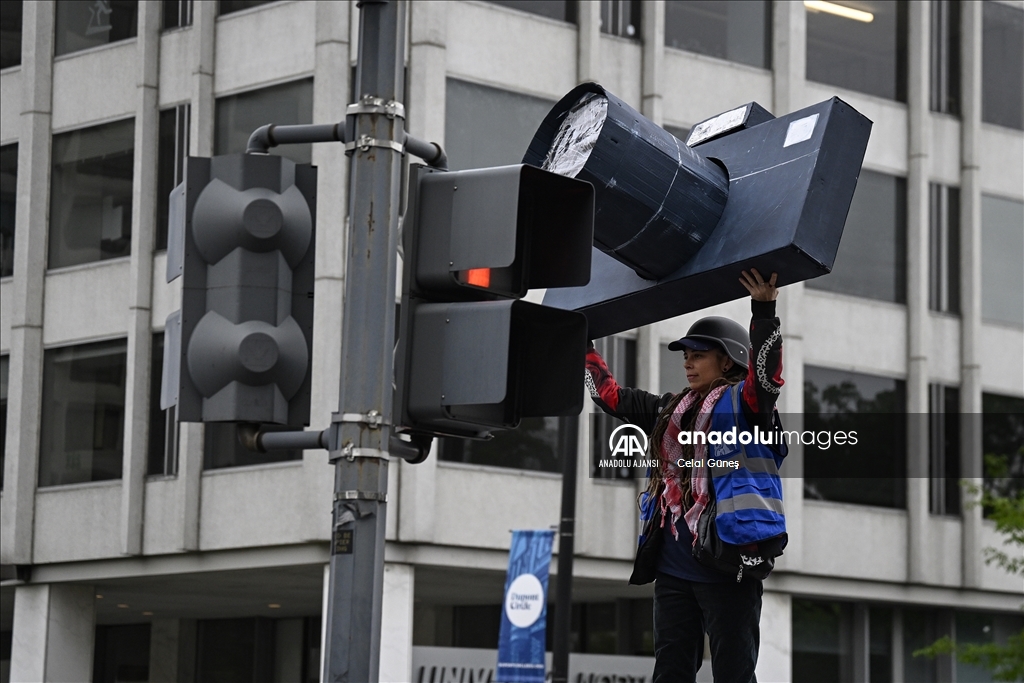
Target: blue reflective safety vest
{"x":745,"y":476}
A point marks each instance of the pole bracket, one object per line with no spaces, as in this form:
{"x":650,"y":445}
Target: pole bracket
{"x":369,"y":104}
{"x":365,"y":142}
{"x":350,"y":453}
{"x":379,"y":496}
{"x":373,"y":419}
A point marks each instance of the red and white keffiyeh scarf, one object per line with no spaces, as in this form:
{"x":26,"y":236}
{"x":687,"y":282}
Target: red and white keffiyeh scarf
{"x":672,"y":451}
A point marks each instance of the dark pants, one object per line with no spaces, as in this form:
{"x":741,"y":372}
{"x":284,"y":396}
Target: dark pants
{"x":728,"y":612}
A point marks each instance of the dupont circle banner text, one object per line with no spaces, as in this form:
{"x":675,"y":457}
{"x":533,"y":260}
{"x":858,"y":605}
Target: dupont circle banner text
{"x":524,"y":608}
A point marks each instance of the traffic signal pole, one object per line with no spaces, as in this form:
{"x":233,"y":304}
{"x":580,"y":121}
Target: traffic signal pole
{"x":362,"y":428}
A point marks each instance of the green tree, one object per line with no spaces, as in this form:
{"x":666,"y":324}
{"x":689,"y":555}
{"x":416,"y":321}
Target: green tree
{"x":1004,"y":505}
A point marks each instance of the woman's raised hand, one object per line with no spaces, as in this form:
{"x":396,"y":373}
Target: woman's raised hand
{"x":758,"y":288}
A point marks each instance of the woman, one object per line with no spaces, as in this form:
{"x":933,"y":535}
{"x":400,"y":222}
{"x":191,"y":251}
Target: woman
{"x":691,"y":598}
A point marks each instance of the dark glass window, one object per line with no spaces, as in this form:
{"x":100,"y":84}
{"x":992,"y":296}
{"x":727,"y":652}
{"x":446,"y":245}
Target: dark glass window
{"x":822,"y":641}
{"x":81,"y":25}
{"x":533,"y":445}
{"x":487,"y":126}
{"x":222,"y":448}
{"x":943,"y":248}
{"x":163,"y":426}
{"x":563,"y":10}
{"x":861,"y":46}
{"x":1002,"y":65}
{"x":737,"y":30}
{"x":177,"y":13}
{"x":944,"y":449}
{"x":872,"y":257}
{"x":91,"y":194}
{"x":945,"y":56}
{"x":82,"y":435}
{"x":5,"y":372}
{"x":873,"y":470}
{"x":235,"y":650}
{"x":1002,"y":243}
{"x":979,"y":628}
{"x":237,"y":116}
{"x":621,"y":18}
{"x":8,"y":205}
{"x":121,"y":653}
{"x":173,"y":150}
{"x":229,"y":6}
{"x":1002,"y":444}
{"x":10,"y":33}
{"x":620,"y":355}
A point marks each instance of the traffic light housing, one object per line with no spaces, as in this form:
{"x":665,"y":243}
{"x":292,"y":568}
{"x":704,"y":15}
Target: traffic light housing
{"x":472,"y":357}
{"x":790,"y":181}
{"x":242,"y":238}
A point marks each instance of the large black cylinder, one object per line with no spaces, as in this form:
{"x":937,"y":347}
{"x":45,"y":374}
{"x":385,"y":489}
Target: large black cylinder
{"x":656,"y":200}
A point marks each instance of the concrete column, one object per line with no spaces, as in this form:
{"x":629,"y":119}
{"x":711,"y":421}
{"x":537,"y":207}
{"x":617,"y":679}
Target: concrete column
{"x":970,"y":281}
{"x":140,"y":334}
{"x":164,"y":636}
{"x":653,"y":33}
{"x":54,"y":632}
{"x":588,"y":42}
{"x":425,"y":104}
{"x":396,"y":623}
{"x":789,"y":54}
{"x":24,"y":406}
{"x":204,"y":25}
{"x":190,"y":477}
{"x":918,"y":327}
{"x":775,"y":658}
{"x":331,"y":87}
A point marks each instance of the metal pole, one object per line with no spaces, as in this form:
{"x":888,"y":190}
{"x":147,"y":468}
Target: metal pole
{"x":362,"y":428}
{"x":569,"y":436}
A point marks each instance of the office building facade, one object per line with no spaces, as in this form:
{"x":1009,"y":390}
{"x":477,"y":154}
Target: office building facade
{"x":134,"y":549}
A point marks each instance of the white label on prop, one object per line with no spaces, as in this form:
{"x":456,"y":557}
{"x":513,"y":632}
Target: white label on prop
{"x":719,"y":124}
{"x":800,"y":130}
{"x":524,"y":601}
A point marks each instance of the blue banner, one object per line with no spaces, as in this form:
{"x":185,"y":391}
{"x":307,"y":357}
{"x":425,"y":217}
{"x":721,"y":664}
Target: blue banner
{"x":524,"y":613}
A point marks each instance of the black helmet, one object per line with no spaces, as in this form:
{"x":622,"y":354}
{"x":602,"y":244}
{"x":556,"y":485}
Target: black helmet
{"x":715,"y":331}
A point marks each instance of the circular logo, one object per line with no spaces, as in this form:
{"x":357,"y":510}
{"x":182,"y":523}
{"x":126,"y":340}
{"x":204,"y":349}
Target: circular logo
{"x":628,"y":440}
{"x":524,"y":600}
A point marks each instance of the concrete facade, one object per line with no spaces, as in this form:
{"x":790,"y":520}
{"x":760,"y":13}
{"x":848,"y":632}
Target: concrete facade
{"x":252,"y":541}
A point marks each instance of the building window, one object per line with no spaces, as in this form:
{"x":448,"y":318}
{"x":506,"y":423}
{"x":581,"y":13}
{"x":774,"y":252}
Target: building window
{"x":83,"y":413}
{"x":163,"y":424}
{"x":943,"y":248}
{"x":621,"y":18}
{"x":258,"y":649}
{"x":945,"y":56}
{"x":10,"y":33}
{"x":237,"y":116}
{"x":1002,"y":65}
{"x":81,"y":25}
{"x":563,"y":10}
{"x":872,"y":257}
{"x":121,"y":653}
{"x":533,"y":445}
{"x":822,"y":647}
{"x":177,"y":14}
{"x":871,"y":471}
{"x":1002,"y":444}
{"x":736,"y":30}
{"x":860,"y":46}
{"x":8,"y":205}
{"x":5,"y":372}
{"x":1002,"y":243}
{"x":620,"y":355}
{"x":487,"y":126}
{"x":91,"y":194}
{"x":229,"y":6}
{"x":944,"y":449}
{"x":173,"y":150}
